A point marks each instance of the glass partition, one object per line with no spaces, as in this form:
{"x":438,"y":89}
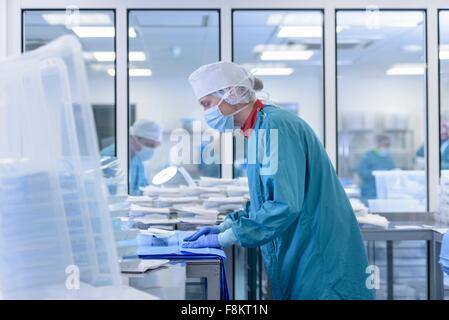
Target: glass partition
{"x":96,"y":32}
{"x":167,"y":45}
{"x":381,"y":101}
{"x":284,"y":48}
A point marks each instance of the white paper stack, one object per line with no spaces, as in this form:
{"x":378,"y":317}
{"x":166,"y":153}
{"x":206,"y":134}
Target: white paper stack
{"x":213,"y":182}
{"x":119,"y":209}
{"x":359,"y":208}
{"x":197,"y":215}
{"x":147,"y":221}
{"x":154,"y":191}
{"x":170,"y":202}
{"x":139,"y":211}
{"x":373,"y":220}
{"x":140,"y":266}
{"x":140,"y":200}
{"x":225,"y":203}
{"x":237,"y":191}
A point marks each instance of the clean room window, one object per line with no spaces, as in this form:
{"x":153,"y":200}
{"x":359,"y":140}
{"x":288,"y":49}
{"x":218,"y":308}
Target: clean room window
{"x":285,"y":49}
{"x":166,"y":47}
{"x":381,"y":107}
{"x":96,"y":32}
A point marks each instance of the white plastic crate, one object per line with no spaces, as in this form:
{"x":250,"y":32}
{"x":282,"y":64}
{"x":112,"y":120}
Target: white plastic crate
{"x":401,"y":184}
{"x":395,"y":205}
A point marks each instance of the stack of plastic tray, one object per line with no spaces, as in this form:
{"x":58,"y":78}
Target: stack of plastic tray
{"x":54,"y":216}
{"x":399,"y":191}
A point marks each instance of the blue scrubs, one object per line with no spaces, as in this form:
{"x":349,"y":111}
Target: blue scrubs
{"x":137,"y":176}
{"x":370,"y":162}
{"x":300,"y":216}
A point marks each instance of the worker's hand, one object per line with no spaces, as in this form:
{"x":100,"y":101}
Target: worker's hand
{"x":208,"y":241}
{"x":202,"y":232}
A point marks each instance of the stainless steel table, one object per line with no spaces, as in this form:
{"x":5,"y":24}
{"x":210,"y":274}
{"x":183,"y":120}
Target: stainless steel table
{"x":435,"y":277}
{"x":169,"y":281}
{"x":209,"y":269}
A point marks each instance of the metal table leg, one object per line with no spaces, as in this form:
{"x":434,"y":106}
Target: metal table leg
{"x":390,"y":270}
{"x":435,"y":277}
{"x":229,"y":264}
{"x":252,"y":274}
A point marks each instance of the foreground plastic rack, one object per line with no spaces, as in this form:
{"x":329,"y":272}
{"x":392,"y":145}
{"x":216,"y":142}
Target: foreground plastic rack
{"x":55,"y":225}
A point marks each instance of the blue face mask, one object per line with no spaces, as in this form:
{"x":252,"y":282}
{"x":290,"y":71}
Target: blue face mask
{"x":145,"y":153}
{"x":217,"y":120}
{"x":383,"y":152}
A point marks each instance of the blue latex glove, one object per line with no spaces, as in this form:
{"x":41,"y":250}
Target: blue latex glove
{"x":207,"y":241}
{"x":202,"y":232}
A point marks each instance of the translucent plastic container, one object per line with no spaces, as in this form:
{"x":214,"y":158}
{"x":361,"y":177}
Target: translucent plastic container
{"x":401,"y":184}
{"x":54,"y":211}
{"x":395,"y":205}
{"x":35,"y":247}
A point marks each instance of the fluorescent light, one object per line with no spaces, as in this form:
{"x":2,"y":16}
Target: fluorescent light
{"x":444,"y":52}
{"x":134,"y":72}
{"x":101,"y":67}
{"x":109,"y":56}
{"x":137,"y":56}
{"x":140,"y":72}
{"x":272,"y":47}
{"x":100,"y":32}
{"x":273,"y":71}
{"x":295,"y":19}
{"x":412,"y":48}
{"x":444,"y":55}
{"x":275,"y":19}
{"x":286,"y":55}
{"x":94,"y":32}
{"x":104,"y":56}
{"x":132,"y":32}
{"x":304,"y":31}
{"x":406,"y":69}
{"x":84,"y":18}
{"x":300,"y":32}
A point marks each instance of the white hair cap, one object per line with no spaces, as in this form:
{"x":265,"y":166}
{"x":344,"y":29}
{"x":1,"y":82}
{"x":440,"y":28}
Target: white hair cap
{"x":213,"y":77}
{"x":146,"y":129}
